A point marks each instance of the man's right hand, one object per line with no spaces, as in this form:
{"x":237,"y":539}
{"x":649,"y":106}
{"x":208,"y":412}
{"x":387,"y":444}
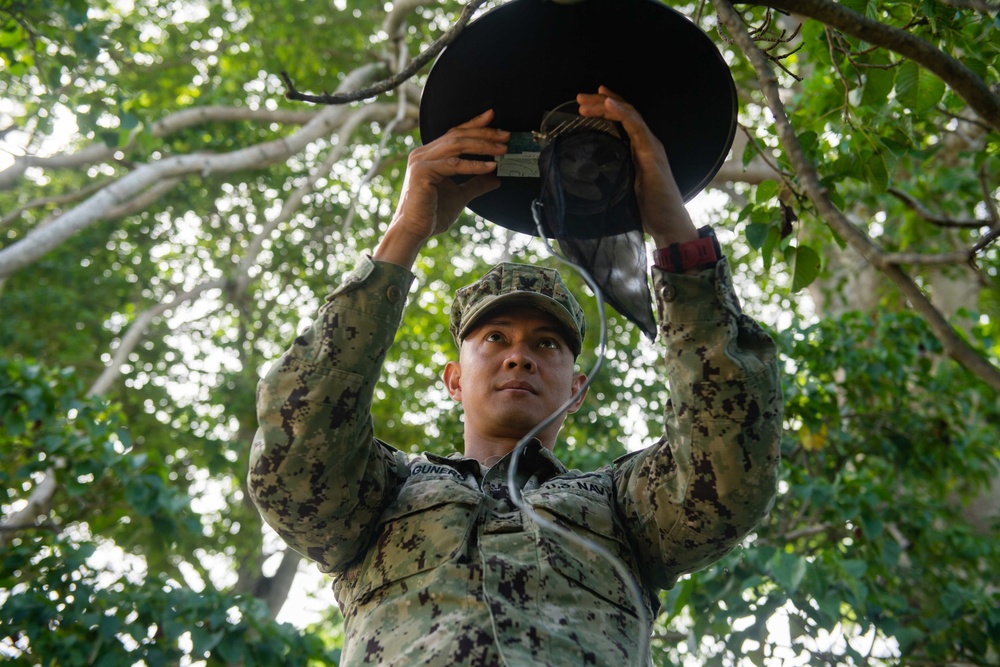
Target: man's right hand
{"x":431,"y":199}
{"x":661,"y":206}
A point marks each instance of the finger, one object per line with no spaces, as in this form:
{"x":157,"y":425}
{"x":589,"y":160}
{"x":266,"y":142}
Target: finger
{"x":435,"y":174}
{"x":447,"y":154}
{"x":607,"y":92}
{"x":593,"y":104}
{"x":493,"y":143}
{"x":472,"y":136}
{"x":635,"y":126}
{"x":480,"y":185}
{"x":464,"y":166}
{"x":464,"y":151}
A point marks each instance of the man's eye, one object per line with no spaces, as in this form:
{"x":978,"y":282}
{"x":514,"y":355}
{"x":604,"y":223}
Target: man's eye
{"x":550,"y":343}
{"x":493,"y":337}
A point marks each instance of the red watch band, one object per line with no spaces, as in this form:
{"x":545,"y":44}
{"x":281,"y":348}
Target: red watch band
{"x":678,"y":257}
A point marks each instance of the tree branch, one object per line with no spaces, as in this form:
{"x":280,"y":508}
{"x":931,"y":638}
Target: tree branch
{"x":808,"y":531}
{"x":959,"y":77}
{"x":42,"y":240}
{"x":916,"y":258}
{"x":396,"y":79}
{"x":398,"y":32}
{"x":56,"y":200}
{"x":978,"y":5}
{"x":136,"y":331}
{"x":364,"y":115}
{"x":991,"y":208}
{"x":274,"y":589}
{"x":100,"y":152}
{"x":38,"y":504}
{"x":954,"y":345}
{"x":934,"y":219}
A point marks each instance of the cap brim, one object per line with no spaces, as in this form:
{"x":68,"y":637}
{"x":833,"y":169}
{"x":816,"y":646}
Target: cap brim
{"x":527,"y":57}
{"x":519,"y":298}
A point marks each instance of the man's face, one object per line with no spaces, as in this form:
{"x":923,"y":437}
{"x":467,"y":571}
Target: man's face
{"x":515,"y":368}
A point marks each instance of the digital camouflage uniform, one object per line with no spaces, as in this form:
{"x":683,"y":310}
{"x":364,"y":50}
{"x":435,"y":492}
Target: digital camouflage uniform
{"x":432,"y":562}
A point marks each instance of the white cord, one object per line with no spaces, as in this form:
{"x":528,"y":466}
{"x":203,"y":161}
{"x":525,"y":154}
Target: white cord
{"x":634,"y":590}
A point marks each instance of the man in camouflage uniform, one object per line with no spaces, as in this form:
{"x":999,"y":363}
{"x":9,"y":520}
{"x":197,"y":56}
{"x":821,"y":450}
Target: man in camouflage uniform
{"x":434,"y":562}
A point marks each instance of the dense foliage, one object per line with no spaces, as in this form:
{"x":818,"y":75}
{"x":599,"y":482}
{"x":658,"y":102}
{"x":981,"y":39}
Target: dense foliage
{"x":169,"y":221}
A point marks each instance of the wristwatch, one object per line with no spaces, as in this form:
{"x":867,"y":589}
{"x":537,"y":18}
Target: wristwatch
{"x":698,"y":254}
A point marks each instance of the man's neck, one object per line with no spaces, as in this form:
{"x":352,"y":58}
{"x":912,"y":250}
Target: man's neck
{"x":490,"y":450}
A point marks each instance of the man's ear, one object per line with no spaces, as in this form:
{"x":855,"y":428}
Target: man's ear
{"x":578,"y":381}
{"x":453,"y":380}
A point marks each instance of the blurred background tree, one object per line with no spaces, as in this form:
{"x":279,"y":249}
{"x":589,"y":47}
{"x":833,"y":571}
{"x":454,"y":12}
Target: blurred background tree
{"x":169,"y":221}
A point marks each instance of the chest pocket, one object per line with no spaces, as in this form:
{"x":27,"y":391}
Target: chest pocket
{"x":592,"y":519}
{"x":427,"y":525}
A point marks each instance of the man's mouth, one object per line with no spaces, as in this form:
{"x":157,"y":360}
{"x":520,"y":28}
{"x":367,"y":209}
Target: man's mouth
{"x":516,"y":385}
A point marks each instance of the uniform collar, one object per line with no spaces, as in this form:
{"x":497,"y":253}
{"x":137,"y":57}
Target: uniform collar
{"x":536,"y":459}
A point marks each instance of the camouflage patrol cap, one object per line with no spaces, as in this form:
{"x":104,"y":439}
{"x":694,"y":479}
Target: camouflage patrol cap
{"x":509,"y":284}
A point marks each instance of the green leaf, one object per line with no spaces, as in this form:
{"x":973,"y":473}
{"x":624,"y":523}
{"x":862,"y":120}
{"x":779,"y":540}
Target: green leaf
{"x":11,"y":37}
{"x":86,"y":44}
{"x":878,"y":84}
{"x":14,"y":423}
{"x":128,"y":121}
{"x":204,"y":640}
{"x":873,"y":526}
{"x":917,"y":88}
{"x":756,"y":234}
{"x":805,"y":265}
{"x":232,"y":648}
{"x":876,"y":171}
{"x":863,"y":7}
{"x":978,"y":67}
{"x":770,"y":244}
{"x":789,"y":570}
{"x":809,"y":141}
{"x":829,"y":603}
{"x":929,"y":9}
{"x":766,"y":191}
{"x":677,"y":598}
{"x":855,"y":567}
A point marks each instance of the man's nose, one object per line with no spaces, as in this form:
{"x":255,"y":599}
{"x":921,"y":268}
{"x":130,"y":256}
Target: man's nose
{"x":520,"y":355}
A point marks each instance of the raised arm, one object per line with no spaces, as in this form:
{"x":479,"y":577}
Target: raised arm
{"x":695,"y":493}
{"x":317,"y":473}
{"x":710,"y":480}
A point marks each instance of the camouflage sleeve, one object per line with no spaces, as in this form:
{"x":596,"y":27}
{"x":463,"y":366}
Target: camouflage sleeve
{"x":693,"y":495}
{"x":317,"y":474}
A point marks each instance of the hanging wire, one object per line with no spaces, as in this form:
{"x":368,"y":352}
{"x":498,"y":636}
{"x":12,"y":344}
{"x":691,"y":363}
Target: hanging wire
{"x":634,"y":590}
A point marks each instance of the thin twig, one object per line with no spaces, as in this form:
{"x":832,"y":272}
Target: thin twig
{"x":916,"y":258}
{"x":991,"y":207}
{"x":978,"y":5}
{"x":76,"y":195}
{"x":928,"y":216}
{"x":766,"y":159}
{"x":393,"y":81}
